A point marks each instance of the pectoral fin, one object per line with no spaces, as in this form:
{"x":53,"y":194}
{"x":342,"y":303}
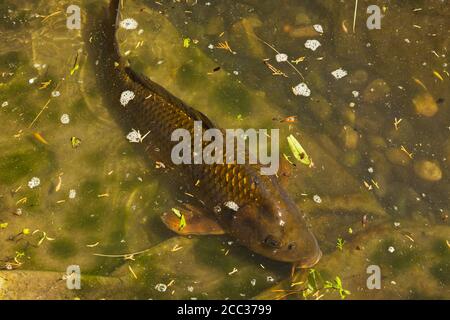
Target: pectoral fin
{"x":189,"y":220}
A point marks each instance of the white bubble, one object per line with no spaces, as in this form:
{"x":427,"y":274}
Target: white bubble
{"x":72,"y":194}
{"x":129,"y":24}
{"x":34,"y":182}
{"x":161,"y":287}
{"x":56,"y":93}
{"x":318,"y":28}
{"x":301,"y":90}
{"x":317,"y":199}
{"x":126,"y":97}
{"x":312,"y":44}
{"x":65,"y":119}
{"x":339,"y":73}
{"x":391,"y":249}
{"x":32,"y":80}
{"x":5,"y":104}
{"x":281,"y":57}
{"x":355,"y":93}
{"x":231,"y":205}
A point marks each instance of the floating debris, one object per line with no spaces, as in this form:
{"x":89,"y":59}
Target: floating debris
{"x":275,"y":71}
{"x":233,"y":271}
{"x":301,"y":90}
{"x":181,"y":217}
{"x":34,"y":182}
{"x":340,"y":243}
{"x":298,"y":60}
{"x":40,"y":138}
{"x":129,"y":24}
{"x":224,"y":46}
{"x":298,"y":151}
{"x":126,"y":97}
{"x":65,"y":119}
{"x":339,"y":73}
{"x":312,"y":44}
{"x":186,"y":42}
{"x":396,"y":123}
{"x":75,"y":142}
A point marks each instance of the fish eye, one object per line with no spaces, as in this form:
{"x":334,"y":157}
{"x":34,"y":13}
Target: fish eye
{"x":271,"y":241}
{"x":291,"y":246}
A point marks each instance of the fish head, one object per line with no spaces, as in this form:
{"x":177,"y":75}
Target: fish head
{"x":274,"y":227}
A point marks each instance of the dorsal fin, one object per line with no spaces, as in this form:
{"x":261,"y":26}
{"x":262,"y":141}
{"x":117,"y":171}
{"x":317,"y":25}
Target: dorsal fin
{"x":159,"y":90}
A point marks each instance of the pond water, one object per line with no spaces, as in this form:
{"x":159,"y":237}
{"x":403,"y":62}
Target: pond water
{"x":376,"y":123}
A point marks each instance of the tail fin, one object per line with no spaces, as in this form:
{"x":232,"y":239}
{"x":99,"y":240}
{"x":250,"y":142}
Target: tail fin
{"x":113,"y":22}
{"x":114,"y":10}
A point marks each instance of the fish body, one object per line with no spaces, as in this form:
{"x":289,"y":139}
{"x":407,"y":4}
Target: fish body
{"x":251,"y":207}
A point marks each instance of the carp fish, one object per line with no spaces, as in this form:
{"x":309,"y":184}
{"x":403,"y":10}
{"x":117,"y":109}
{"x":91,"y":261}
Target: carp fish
{"x":263,"y":217}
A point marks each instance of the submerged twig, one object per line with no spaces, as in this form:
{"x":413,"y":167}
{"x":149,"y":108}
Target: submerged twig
{"x":126,"y":256}
{"x":278,"y":52}
{"x":354,"y":16}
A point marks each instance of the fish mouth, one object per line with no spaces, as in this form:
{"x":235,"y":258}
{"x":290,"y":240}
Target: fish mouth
{"x":311,"y":262}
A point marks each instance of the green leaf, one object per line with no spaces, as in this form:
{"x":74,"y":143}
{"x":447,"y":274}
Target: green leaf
{"x":298,"y":151}
{"x":186,"y":42}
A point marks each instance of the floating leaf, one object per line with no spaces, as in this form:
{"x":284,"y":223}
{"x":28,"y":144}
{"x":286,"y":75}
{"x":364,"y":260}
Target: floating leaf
{"x":186,"y":42}
{"x":75,"y":142}
{"x":181,"y":217}
{"x":298,"y":151}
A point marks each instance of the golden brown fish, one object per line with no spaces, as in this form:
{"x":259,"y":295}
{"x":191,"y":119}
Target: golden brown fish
{"x":265,"y":219}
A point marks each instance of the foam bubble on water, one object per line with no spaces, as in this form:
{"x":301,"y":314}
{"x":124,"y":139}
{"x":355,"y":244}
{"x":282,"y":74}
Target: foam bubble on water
{"x":317,"y":199}
{"x":34,"y":182}
{"x":339,"y":73}
{"x":129,"y":24}
{"x":65,"y":119}
{"x":301,"y":90}
{"x":56,"y":93}
{"x":161,"y":287}
{"x":312,"y":44}
{"x":126,"y":97}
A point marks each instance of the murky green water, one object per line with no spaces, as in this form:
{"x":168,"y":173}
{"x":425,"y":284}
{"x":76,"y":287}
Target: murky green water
{"x":379,"y":138}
